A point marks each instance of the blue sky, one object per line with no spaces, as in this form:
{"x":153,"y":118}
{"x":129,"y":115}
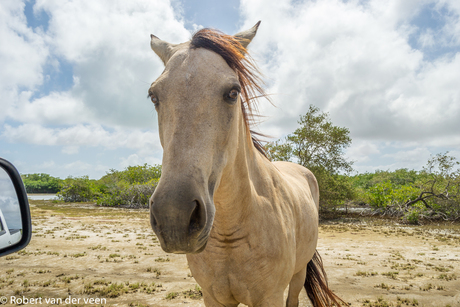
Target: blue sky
{"x":75,"y":75}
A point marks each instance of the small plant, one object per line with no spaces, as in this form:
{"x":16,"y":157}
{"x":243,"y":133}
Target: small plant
{"x":194,"y":294}
{"x":154,"y":270}
{"x":391,"y":274}
{"x":427,"y":287}
{"x":100,"y":247}
{"x":78,"y":255}
{"x":441,"y":269}
{"x":380,"y":302}
{"x":447,"y":277}
{"x":161,"y":259}
{"x":171,"y":295}
{"x":136,"y":304}
{"x":384,"y":286}
{"x":134,"y":286}
{"x":365,"y":274}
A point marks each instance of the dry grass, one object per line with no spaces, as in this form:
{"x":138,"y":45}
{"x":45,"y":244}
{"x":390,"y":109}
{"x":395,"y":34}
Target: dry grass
{"x":85,"y":251}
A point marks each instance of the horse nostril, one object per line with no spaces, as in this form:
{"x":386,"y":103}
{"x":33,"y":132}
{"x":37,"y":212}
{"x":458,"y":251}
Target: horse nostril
{"x":195,"y":219}
{"x":153,"y":221}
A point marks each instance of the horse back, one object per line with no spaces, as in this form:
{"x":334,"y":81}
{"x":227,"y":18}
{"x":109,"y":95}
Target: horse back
{"x":296,"y":174}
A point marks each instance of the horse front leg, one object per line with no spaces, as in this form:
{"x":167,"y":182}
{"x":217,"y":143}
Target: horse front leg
{"x":275,"y":300}
{"x":209,"y":301}
{"x":295,"y":286}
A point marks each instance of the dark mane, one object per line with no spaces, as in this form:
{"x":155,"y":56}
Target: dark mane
{"x":237,"y":57}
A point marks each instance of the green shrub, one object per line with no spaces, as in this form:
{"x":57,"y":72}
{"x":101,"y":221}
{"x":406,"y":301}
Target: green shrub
{"x":124,"y":194}
{"x":131,"y":187}
{"x":78,"y":189}
{"x":41,"y":183}
{"x":133,"y":174}
{"x":385,"y":194}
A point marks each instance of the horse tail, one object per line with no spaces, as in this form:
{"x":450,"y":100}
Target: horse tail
{"x":317,"y":287}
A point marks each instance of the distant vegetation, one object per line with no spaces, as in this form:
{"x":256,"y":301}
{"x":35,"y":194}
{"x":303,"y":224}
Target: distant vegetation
{"x":41,"y":183}
{"x":432,"y":193}
{"x":319,"y":146}
{"x":131,"y":187}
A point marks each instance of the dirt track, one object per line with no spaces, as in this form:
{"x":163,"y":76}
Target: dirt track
{"x":89,"y":253}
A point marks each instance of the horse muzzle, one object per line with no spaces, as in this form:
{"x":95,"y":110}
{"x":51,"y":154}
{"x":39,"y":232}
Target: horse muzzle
{"x":181,"y":222}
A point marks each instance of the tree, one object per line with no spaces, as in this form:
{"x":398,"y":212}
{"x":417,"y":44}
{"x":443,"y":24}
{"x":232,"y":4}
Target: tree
{"x":131,"y":187}
{"x":40,"y":183}
{"x":319,"y":146}
{"x":432,"y":193}
{"x":439,"y":194}
{"x":78,"y":189}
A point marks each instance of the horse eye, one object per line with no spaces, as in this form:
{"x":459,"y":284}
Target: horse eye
{"x":154,"y":99}
{"x":233,"y":94}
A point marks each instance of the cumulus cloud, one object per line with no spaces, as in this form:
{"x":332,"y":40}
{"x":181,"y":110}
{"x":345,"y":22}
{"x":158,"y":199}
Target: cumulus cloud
{"x":368,"y":63}
{"x":411,"y":159}
{"x":136,"y":159}
{"x":360,"y":151}
{"x":23,"y":53}
{"x":83,"y":135}
{"x":354,"y":60}
{"x":107,"y":45}
{"x":54,"y":109}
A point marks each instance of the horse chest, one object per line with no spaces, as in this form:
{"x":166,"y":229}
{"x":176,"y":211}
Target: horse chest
{"x":243,"y":270}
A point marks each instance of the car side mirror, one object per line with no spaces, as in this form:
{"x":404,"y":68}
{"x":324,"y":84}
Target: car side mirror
{"x":15,"y":222}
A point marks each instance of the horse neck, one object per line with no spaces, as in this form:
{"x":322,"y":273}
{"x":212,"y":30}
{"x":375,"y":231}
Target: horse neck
{"x":236,"y":195}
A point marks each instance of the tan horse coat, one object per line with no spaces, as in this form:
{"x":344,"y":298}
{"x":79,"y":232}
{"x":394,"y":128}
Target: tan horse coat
{"x":249,"y":227}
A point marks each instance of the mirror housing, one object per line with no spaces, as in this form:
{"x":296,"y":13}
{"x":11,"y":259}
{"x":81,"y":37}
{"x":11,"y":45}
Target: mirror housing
{"x":23,"y":204}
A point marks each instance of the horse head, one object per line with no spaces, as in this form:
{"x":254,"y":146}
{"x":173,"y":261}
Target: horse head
{"x":201,"y":99}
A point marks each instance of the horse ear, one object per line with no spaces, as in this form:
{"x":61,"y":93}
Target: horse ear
{"x":163,"y":49}
{"x":245,"y":37}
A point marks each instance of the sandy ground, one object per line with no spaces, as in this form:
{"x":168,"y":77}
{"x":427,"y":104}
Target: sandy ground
{"x":87,"y":253}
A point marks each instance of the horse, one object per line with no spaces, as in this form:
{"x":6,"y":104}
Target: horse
{"x":248,"y":226}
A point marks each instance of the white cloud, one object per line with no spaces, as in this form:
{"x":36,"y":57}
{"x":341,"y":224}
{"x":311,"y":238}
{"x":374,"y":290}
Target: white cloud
{"x":427,"y":38}
{"x":360,"y":151}
{"x":70,"y":150}
{"x":78,"y":166}
{"x":22,"y":55}
{"x":450,"y":33}
{"x":47,"y":164}
{"x":107,"y":44}
{"x":411,"y":159}
{"x":56,"y":108}
{"x":353,"y":59}
{"x":83,"y":135}
{"x":135,"y":159}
